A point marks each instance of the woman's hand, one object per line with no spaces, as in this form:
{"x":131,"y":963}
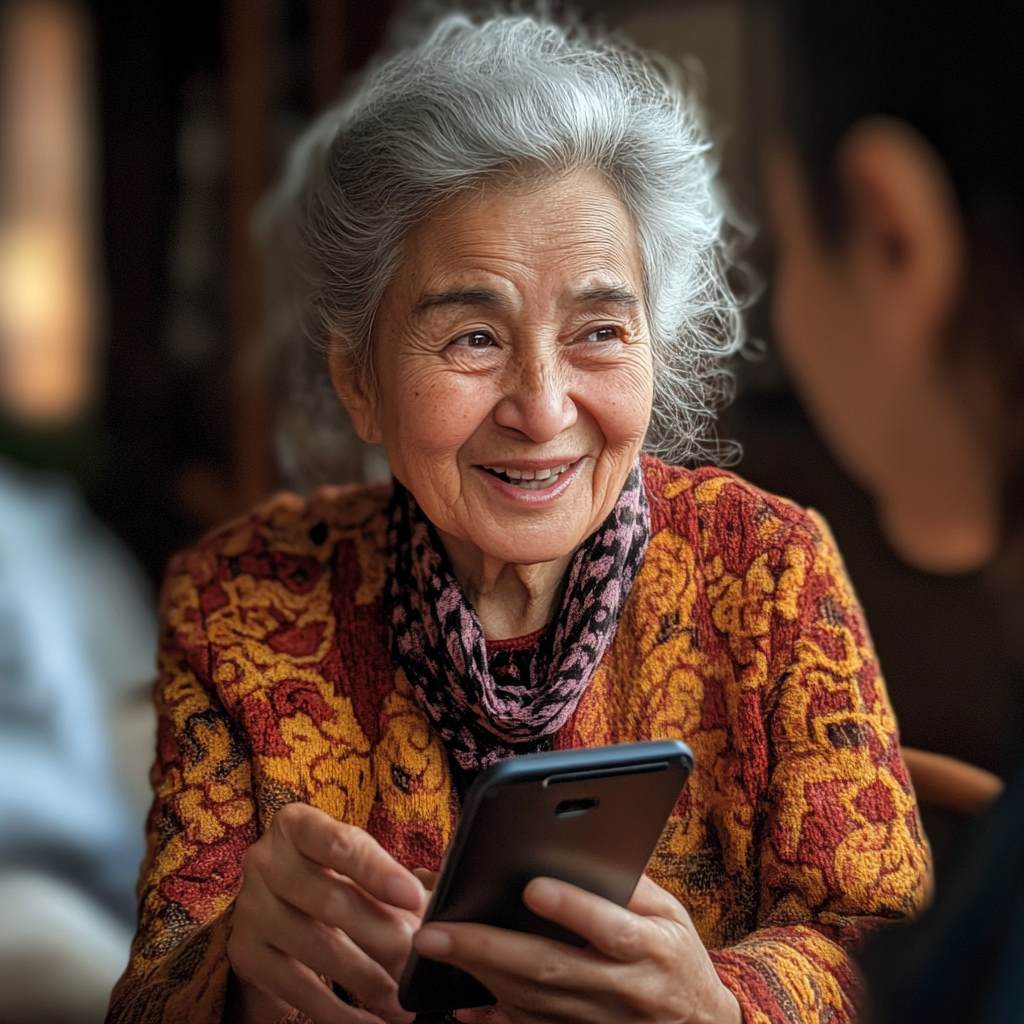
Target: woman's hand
{"x":644,"y":964}
{"x":320,"y":897}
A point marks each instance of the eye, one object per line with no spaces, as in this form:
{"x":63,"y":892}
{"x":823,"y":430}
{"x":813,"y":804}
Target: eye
{"x":603,"y":334}
{"x":475,"y":339}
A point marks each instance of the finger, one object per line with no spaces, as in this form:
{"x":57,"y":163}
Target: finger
{"x":428,"y":879}
{"x":330,"y":952}
{"x":246,"y":1002}
{"x":533,"y":978}
{"x":288,"y":870}
{"x":382,"y":931}
{"x":320,"y":896}
{"x":353,"y":852}
{"x":650,"y":900}
{"x":613,"y":930}
{"x":297,"y":985}
{"x":487,"y":953}
{"x":483,"y":1015}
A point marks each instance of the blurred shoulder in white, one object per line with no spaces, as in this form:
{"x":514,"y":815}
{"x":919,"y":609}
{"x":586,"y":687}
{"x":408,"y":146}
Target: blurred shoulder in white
{"x":77,"y":642}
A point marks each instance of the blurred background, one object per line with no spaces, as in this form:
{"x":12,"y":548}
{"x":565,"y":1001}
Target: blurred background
{"x":137,"y":410}
{"x":135,"y":142}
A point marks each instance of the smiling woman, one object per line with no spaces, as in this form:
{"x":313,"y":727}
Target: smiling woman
{"x":509,"y":104}
{"x":513,"y":383}
{"x":504,"y":253}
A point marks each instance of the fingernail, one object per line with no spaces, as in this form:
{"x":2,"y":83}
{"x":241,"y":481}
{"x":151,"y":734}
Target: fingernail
{"x":402,"y":891}
{"x":543,"y":895}
{"x":432,"y":942}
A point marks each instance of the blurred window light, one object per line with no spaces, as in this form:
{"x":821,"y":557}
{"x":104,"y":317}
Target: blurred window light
{"x":47,"y":289}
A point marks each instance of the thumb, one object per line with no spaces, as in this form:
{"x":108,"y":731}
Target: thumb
{"x":428,"y":879}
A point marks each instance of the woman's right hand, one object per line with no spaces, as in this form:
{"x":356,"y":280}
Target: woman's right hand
{"x":320,"y":897}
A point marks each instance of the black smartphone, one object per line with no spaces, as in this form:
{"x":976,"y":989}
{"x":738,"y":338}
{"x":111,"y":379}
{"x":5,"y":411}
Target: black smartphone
{"x":591,"y":817}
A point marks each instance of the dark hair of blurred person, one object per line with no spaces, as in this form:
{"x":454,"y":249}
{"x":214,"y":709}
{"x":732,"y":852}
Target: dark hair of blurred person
{"x":898,"y":204}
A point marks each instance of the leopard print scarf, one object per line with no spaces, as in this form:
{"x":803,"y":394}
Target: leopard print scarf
{"x":487,"y":710}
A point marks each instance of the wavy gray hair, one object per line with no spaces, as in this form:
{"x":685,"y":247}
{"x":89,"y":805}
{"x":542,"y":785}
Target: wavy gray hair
{"x":506,"y":96}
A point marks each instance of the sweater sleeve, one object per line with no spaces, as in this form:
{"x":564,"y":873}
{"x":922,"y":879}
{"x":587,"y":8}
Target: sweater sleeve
{"x":201,"y":823}
{"x":841,"y":847}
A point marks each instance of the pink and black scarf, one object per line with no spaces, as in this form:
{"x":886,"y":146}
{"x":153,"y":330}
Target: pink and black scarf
{"x":485,"y":708}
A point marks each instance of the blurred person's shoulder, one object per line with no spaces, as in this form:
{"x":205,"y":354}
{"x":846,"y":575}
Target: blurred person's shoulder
{"x":726,"y":517}
{"x":293,"y":540}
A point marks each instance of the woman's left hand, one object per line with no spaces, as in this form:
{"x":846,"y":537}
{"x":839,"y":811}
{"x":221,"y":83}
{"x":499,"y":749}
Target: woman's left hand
{"x":644,"y":963}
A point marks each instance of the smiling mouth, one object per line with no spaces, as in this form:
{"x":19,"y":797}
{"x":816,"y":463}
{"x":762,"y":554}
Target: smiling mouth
{"x":530,"y":479}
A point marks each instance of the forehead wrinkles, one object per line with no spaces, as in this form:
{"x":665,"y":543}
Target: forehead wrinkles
{"x":574,"y":227}
{"x":534,"y":267}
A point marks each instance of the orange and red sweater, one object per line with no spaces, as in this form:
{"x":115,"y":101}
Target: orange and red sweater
{"x":741,"y":636}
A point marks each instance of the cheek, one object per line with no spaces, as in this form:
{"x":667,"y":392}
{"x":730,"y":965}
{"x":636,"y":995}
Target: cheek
{"x":791,"y":315}
{"x":807,"y":307}
{"x":620,"y":402}
{"x":431,"y":415}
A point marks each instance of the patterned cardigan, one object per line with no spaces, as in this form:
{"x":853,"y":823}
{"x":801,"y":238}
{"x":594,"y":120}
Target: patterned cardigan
{"x":741,"y":636}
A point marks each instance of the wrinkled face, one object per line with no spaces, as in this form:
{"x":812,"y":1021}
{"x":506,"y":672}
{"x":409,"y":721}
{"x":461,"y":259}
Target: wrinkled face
{"x":514,"y":365}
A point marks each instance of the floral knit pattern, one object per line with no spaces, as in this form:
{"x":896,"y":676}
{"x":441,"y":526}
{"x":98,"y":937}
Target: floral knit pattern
{"x":486,"y":716}
{"x":741,"y":636}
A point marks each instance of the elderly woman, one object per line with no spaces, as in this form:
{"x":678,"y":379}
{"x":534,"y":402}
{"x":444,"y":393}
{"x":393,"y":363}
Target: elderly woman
{"x":509,"y":247}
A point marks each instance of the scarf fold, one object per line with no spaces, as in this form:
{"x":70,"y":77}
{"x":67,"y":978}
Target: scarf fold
{"x":487,"y":710}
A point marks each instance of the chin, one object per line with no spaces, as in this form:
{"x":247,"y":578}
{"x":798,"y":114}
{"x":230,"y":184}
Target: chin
{"x":526,"y":550}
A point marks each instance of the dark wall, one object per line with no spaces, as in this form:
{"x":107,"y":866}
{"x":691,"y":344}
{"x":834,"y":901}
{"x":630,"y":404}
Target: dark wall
{"x":143,"y":52}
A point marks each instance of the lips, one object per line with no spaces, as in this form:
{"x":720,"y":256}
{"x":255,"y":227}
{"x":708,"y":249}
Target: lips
{"x":530,"y":479}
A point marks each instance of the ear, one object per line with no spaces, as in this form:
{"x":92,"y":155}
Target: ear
{"x":353,"y":387}
{"x":904,"y":250}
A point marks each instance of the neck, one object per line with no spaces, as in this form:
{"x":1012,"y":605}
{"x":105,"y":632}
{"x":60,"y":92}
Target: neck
{"x":510,"y":600}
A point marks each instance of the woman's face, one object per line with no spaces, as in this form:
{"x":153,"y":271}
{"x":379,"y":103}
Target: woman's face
{"x":514,"y":366}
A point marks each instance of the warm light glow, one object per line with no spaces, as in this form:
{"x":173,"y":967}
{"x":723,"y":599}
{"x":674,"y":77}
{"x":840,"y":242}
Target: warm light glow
{"x":47,"y":302}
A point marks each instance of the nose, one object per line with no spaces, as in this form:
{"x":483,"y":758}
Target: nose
{"x":537,"y":402}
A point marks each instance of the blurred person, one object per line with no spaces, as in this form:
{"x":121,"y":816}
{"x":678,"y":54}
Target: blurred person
{"x":898,"y":303}
{"x":75,"y":648}
{"x":507,"y":253}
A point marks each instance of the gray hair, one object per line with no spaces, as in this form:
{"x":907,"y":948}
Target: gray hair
{"x":504,"y":97}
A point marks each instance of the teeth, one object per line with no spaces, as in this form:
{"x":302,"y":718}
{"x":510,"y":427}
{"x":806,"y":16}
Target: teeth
{"x":531,"y":479}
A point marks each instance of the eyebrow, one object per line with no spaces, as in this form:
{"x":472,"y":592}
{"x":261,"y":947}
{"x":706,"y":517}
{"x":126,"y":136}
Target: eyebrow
{"x":458,"y":297}
{"x":611,"y":294}
{"x":615,"y":295}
